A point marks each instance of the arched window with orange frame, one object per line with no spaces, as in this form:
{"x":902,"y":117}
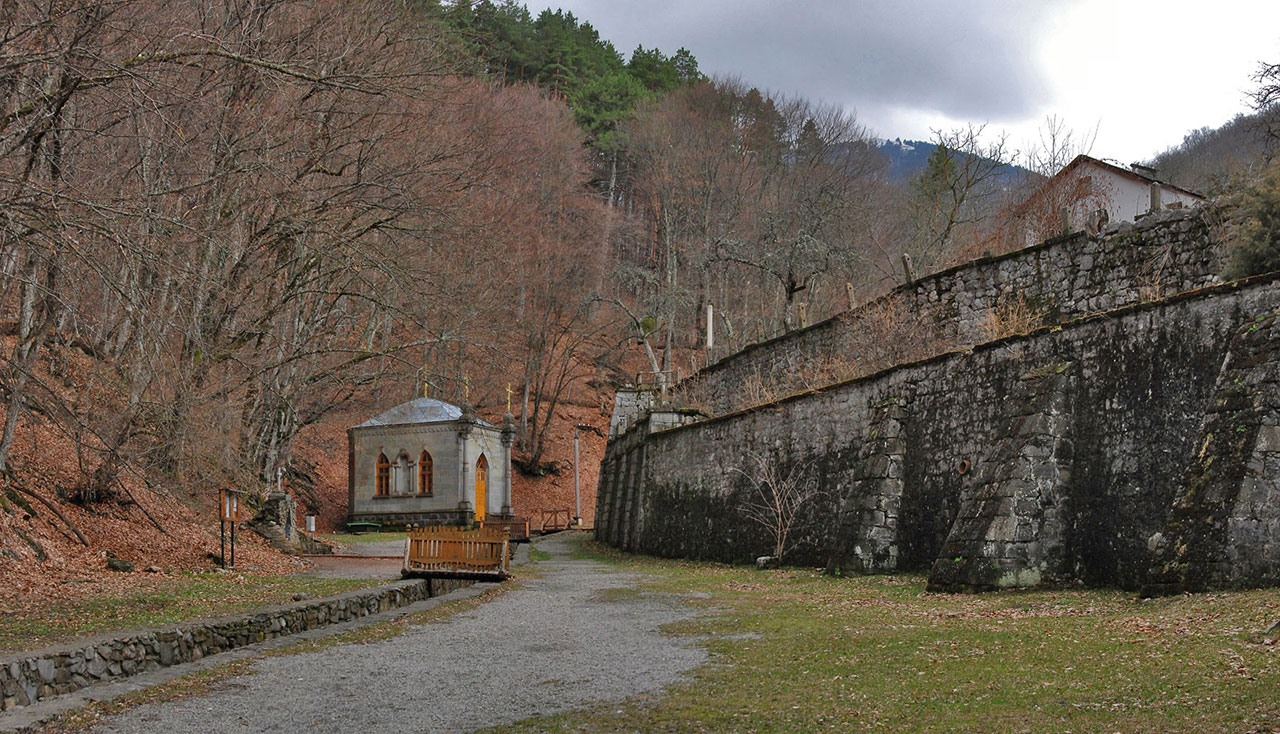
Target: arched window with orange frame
{"x":383,"y":487}
{"x":424,"y":474}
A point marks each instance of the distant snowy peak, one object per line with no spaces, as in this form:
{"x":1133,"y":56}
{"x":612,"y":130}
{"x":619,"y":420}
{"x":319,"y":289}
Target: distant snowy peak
{"x":907,"y":158}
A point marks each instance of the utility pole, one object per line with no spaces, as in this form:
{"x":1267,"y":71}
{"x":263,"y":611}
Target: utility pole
{"x":577,"y":493}
{"x":711,"y":331}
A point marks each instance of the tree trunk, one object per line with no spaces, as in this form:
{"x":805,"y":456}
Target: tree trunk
{"x":613,"y":177}
{"x":35,"y":313}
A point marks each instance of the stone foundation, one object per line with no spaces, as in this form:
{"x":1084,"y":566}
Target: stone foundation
{"x":401,"y":520}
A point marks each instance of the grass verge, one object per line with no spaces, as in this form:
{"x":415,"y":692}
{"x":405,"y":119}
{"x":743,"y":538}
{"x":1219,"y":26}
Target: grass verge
{"x":795,"y":650}
{"x":165,"y":600}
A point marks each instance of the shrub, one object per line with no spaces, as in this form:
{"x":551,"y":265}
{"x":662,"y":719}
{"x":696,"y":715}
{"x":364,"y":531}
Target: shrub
{"x":1012,"y":315}
{"x":1257,"y":249}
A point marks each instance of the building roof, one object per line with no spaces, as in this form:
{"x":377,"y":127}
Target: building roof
{"x":1083,"y":159}
{"x":419,"y":410}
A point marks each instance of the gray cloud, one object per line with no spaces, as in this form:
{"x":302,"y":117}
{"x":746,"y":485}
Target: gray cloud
{"x":887,"y":60}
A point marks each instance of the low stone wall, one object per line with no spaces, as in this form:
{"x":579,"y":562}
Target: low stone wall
{"x":31,"y":676}
{"x":1135,"y":447}
{"x":1061,"y":279}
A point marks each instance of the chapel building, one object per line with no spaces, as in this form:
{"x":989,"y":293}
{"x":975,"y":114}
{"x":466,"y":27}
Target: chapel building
{"x":428,"y":462}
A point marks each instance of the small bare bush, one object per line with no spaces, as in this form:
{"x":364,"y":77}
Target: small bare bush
{"x":888,"y":333}
{"x":776,"y":497}
{"x":758,"y":389}
{"x":691,"y":394}
{"x":1151,"y":287}
{"x":825,"y":371}
{"x":1014,"y":315}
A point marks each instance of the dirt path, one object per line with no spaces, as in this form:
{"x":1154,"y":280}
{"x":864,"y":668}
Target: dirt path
{"x":573,"y":637}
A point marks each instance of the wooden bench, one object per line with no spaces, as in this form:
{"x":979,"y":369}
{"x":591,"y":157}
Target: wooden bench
{"x":360,"y":527}
{"x":450,"y":552}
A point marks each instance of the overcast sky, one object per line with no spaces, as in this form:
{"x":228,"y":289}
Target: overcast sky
{"x":1143,"y":72}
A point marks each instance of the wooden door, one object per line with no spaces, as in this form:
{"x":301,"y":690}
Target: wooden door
{"x":482,"y":481}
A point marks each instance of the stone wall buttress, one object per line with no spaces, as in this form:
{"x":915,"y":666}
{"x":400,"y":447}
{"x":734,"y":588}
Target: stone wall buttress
{"x":1224,"y":528}
{"x":1011,"y":526}
{"x":866,"y":536}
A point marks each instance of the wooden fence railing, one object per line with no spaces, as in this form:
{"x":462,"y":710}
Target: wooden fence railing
{"x":517,"y":527}
{"x":455,"y":552}
{"x":553,"y":520}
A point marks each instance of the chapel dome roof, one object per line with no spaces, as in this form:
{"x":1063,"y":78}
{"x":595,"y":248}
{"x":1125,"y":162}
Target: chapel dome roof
{"x":418,"y":410}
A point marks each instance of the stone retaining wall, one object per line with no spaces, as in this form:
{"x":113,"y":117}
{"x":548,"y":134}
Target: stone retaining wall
{"x":31,"y":676}
{"x":1060,"y":279}
{"x":1135,"y":447}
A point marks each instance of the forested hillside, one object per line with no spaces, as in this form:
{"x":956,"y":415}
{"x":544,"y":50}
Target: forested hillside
{"x":237,"y":218}
{"x":231,"y":229}
{"x":907,"y":159}
{"x":1213,"y":160}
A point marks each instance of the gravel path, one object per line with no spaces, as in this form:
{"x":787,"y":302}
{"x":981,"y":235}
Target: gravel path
{"x":375,"y":548}
{"x":354,"y":568}
{"x":569,"y":639}
{"x":381,"y":560}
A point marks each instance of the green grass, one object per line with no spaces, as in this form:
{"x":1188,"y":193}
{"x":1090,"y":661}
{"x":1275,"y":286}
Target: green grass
{"x":794,"y":650}
{"x":538,"y":555}
{"x":615,"y":595}
{"x":164,"y":600}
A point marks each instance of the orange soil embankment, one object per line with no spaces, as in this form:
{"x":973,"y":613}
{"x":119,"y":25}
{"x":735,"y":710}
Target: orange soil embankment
{"x":42,"y":559}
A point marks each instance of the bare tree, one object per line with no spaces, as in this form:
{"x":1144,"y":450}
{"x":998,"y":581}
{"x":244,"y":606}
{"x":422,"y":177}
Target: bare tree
{"x":246,"y":212}
{"x":1056,"y":146}
{"x":813,"y":199}
{"x":957,"y":192}
{"x":776,"y":497}
{"x":751,"y":202}
{"x":1266,"y":101}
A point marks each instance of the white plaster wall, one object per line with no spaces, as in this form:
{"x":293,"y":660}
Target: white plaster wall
{"x":1126,"y":198}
